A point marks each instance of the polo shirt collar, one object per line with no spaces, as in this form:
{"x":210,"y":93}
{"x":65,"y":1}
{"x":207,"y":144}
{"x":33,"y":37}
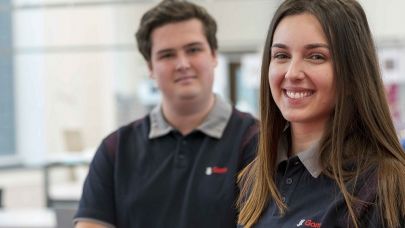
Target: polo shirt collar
{"x":213,"y":125}
{"x":310,"y":157}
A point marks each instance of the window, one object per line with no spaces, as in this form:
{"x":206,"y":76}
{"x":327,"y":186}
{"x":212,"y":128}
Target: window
{"x":7,"y":128}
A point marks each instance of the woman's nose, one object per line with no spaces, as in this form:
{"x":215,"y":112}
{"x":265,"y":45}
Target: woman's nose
{"x":295,"y":70}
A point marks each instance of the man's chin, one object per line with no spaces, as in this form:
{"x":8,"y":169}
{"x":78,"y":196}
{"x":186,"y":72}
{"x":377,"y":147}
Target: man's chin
{"x":188,"y":94}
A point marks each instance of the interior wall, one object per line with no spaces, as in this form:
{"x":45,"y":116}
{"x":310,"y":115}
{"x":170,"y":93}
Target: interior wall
{"x":385,"y":19}
{"x":72,"y":60}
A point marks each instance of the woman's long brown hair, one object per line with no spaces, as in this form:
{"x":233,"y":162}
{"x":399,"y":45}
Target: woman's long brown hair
{"x":360,"y":131}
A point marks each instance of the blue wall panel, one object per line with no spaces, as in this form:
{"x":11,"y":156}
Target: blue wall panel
{"x":7,"y":114}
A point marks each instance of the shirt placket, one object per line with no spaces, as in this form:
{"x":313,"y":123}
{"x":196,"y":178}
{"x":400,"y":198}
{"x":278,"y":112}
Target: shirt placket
{"x":181,"y":154}
{"x":290,"y":179}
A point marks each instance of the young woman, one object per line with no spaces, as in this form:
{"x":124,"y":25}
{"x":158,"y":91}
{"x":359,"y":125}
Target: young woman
{"x":328,"y":154}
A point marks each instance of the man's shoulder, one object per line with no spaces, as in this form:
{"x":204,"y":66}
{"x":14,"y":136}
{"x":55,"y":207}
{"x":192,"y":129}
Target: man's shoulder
{"x":136,"y":128}
{"x":241,"y":118}
{"x":241,"y":115}
{"x":245,"y":123}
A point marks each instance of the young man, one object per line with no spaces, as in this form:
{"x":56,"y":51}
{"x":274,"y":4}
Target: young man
{"x":177,"y":166}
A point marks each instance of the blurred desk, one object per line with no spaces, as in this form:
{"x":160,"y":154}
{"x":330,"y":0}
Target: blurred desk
{"x":65,"y":158}
{"x":27,"y":218}
{"x":67,"y":195}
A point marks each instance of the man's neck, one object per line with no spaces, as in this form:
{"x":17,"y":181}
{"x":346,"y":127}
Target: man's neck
{"x":187,"y":117}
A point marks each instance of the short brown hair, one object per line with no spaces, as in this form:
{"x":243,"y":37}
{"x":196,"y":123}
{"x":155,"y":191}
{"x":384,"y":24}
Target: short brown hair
{"x":171,"y":11}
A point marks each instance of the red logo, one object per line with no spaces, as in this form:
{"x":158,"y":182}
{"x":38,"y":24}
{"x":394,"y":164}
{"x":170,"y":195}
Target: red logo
{"x":216,"y":170}
{"x":309,"y":223}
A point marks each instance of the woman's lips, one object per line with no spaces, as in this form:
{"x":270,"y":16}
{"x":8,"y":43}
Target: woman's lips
{"x":298,"y":94}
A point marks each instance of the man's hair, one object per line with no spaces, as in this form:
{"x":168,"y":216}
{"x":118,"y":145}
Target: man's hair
{"x":172,"y":11}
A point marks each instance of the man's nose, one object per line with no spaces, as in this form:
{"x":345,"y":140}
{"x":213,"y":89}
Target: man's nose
{"x":183,"y":62}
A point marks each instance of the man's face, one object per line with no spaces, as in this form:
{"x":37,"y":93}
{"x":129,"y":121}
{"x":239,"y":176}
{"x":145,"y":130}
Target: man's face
{"x":182,"y":62}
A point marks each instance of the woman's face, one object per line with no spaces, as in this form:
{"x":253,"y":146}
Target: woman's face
{"x":301,"y":70}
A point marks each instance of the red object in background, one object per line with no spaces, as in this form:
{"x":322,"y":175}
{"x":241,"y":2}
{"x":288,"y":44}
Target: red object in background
{"x":392,"y":91}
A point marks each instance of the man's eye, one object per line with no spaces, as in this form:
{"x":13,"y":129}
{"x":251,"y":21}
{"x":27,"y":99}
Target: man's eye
{"x":193,"y":50}
{"x":166,"y":56}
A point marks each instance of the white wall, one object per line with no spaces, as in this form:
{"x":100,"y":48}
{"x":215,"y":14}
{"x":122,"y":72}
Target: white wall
{"x":64,"y":77}
{"x":71,"y":61}
{"x":386,"y":18}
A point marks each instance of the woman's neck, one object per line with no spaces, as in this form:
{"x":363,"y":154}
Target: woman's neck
{"x":305,"y":135}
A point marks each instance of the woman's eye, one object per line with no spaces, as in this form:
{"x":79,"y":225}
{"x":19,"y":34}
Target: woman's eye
{"x":316,"y":57}
{"x":280,"y":56}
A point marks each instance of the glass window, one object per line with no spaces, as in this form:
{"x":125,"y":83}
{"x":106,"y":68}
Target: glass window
{"x":7,"y":128}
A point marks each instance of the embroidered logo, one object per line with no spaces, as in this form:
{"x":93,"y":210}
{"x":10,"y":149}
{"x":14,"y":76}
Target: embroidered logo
{"x":309,"y":223}
{"x":301,"y":222}
{"x":216,"y":170}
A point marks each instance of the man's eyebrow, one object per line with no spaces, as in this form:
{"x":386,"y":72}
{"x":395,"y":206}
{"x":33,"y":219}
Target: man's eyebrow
{"x":164,"y":51}
{"x":168,"y":50}
{"x":193,"y":44}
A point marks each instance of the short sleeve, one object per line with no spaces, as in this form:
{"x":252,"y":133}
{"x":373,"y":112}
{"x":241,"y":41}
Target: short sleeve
{"x":97,"y":201}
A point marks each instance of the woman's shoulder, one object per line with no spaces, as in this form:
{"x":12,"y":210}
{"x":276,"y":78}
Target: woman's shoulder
{"x":387,"y":184}
{"x":391,"y":171}
{"x":386,"y":170}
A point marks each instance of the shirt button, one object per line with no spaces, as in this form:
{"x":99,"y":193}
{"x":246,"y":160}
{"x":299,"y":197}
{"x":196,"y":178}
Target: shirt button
{"x":296,"y":163}
{"x":289,"y":181}
{"x":184,"y":142}
{"x":283,"y":199}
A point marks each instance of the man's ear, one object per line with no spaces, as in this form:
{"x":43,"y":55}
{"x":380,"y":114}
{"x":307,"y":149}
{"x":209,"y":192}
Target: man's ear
{"x":215,"y":55}
{"x":150,"y":68}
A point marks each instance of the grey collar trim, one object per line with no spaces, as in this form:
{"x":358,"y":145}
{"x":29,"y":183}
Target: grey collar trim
{"x":214,"y":124}
{"x":310,"y":158}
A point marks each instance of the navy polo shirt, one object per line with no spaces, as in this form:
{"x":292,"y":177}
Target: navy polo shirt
{"x":312,"y":198}
{"x":147,"y":174}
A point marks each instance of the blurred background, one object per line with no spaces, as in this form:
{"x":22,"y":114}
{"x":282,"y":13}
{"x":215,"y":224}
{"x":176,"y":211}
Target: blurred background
{"x":70,"y":73}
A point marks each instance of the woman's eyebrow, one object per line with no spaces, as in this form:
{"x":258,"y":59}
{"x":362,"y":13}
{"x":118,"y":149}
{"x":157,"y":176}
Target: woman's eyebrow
{"x":308,"y":46}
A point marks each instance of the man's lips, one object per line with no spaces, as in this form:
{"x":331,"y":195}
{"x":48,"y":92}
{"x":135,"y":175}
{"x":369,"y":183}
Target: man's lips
{"x":184,"y":78}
